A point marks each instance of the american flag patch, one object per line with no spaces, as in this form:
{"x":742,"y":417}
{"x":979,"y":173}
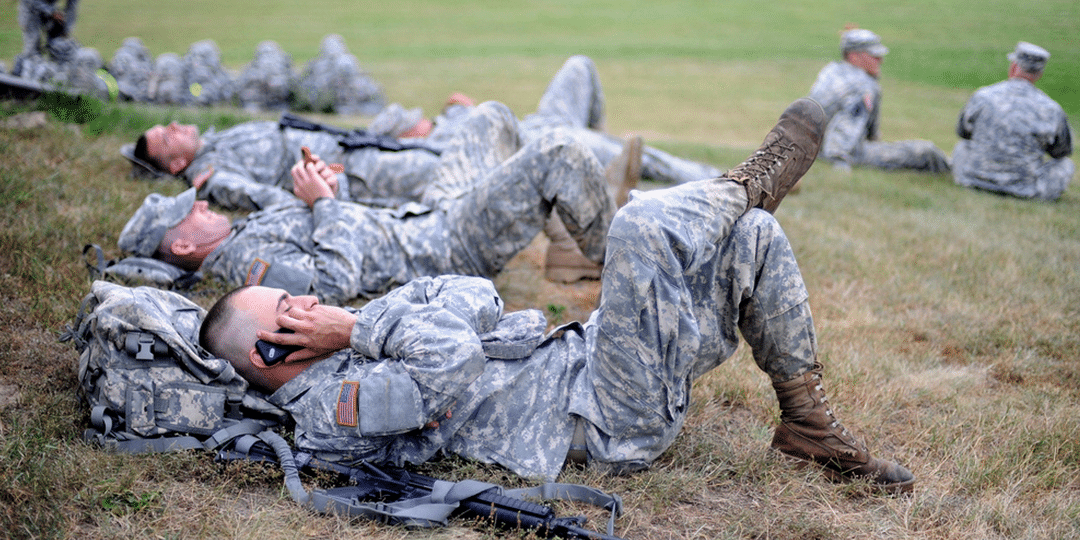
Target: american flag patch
{"x":346,"y":404}
{"x":257,"y":272}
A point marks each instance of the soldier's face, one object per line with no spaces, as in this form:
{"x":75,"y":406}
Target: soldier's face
{"x":173,"y":146}
{"x":867,"y":62}
{"x":263,"y":305}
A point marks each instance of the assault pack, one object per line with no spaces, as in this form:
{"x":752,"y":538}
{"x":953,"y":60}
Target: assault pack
{"x":150,"y":387}
{"x":148,"y":384}
{"x":137,"y":270}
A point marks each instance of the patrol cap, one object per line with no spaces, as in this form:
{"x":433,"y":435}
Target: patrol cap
{"x":145,"y":230}
{"x":1031,"y":58}
{"x":862,"y":40}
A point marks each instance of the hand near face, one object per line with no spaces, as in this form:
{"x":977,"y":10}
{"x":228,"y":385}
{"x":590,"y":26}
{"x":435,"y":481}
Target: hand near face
{"x":320,"y":329}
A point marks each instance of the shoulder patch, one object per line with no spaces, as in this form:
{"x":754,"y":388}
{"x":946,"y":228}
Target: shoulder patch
{"x":257,"y":272}
{"x":868,"y":100}
{"x":346,"y":404}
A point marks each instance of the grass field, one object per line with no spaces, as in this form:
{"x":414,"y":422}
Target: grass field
{"x":948,"y":319}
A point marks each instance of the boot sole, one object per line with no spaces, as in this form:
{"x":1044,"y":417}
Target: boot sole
{"x":898,"y":488}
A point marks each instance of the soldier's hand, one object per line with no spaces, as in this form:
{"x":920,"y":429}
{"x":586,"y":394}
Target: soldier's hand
{"x":320,"y":329}
{"x":310,"y":182}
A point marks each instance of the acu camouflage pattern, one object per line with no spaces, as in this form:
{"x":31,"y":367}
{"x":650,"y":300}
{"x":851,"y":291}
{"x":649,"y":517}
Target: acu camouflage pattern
{"x":574,"y":101}
{"x":167,"y":85}
{"x":852,"y":102}
{"x":131,"y":66}
{"x":334,"y":82}
{"x":1006,"y":132}
{"x":206,"y":80}
{"x":268,"y":81}
{"x":153,"y":390}
{"x":686,"y":270}
{"x":42,"y":36}
{"x":491,"y":201}
{"x":251,"y":164}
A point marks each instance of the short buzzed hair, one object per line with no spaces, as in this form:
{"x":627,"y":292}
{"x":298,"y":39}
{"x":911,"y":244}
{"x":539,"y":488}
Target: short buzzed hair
{"x":143,"y":152}
{"x":222,"y":319}
{"x":219,"y":320}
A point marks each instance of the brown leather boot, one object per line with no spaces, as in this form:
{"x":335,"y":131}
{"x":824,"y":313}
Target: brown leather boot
{"x":809,"y":431}
{"x":564,"y":262}
{"x":785,"y":155}
{"x":624,"y":172}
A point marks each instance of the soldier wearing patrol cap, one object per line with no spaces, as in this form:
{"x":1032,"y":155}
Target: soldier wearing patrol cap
{"x":1014,"y":139}
{"x":851,"y":95}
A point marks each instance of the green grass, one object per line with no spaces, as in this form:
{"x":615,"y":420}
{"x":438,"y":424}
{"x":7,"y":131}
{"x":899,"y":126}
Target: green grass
{"x":947,"y":318}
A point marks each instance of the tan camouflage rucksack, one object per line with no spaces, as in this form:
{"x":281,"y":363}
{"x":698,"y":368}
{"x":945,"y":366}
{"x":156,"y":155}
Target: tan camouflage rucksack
{"x":149,"y":385}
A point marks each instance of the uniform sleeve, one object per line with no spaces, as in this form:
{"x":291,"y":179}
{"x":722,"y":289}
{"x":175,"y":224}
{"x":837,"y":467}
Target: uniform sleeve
{"x":1062,"y":144}
{"x":846,"y":130}
{"x":338,"y":252}
{"x":965,"y":125}
{"x":234,"y":190}
{"x":424,"y":355}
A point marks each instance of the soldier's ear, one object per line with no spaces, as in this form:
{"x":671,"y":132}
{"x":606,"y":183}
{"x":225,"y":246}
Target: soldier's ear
{"x":255,"y":359}
{"x":182,"y":247}
{"x":176,"y":165}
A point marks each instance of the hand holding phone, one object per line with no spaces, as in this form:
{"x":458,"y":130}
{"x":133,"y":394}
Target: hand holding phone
{"x":272,"y":353}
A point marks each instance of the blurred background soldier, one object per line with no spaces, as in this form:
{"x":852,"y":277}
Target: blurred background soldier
{"x":268,"y":81}
{"x":207,"y":82}
{"x":167,"y":81}
{"x":334,"y":82}
{"x":1005,"y":130}
{"x":851,"y":95}
{"x":132,"y":66}
{"x":46,"y":29}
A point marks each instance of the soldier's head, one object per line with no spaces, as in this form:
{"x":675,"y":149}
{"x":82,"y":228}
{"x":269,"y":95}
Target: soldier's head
{"x":863,"y":49}
{"x":230,"y":327}
{"x":170,"y":148}
{"x":1027,"y":61}
{"x":178,"y":230}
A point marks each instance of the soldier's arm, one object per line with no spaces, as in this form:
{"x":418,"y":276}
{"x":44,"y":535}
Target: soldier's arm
{"x":1062,"y":145}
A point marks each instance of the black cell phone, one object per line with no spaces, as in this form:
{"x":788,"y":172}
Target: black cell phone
{"x":273,"y":353}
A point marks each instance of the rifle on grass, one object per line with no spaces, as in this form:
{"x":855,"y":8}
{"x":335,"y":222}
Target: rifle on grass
{"x":395,"y":495}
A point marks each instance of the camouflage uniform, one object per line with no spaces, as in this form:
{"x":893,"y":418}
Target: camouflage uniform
{"x":334,"y":82}
{"x":574,"y":101}
{"x":852,"y":99}
{"x":1005,"y":130}
{"x":82,"y":73}
{"x":268,"y":81}
{"x":167,"y":86}
{"x":251,"y":162}
{"x":132,"y":66}
{"x":688,"y":269}
{"x":207,"y":82}
{"x":35,"y":16}
{"x":492,"y":199}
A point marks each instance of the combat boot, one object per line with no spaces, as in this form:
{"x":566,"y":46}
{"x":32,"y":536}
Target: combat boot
{"x":624,"y":172}
{"x":564,"y":262}
{"x":785,"y":155}
{"x":809,"y":431}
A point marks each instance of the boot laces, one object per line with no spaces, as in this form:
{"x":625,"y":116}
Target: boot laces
{"x":835,"y":422}
{"x":763,"y":163}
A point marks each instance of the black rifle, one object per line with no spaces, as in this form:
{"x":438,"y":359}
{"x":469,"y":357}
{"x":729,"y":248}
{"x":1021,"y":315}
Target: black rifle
{"x":388,"y":484}
{"x":355,"y":138}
